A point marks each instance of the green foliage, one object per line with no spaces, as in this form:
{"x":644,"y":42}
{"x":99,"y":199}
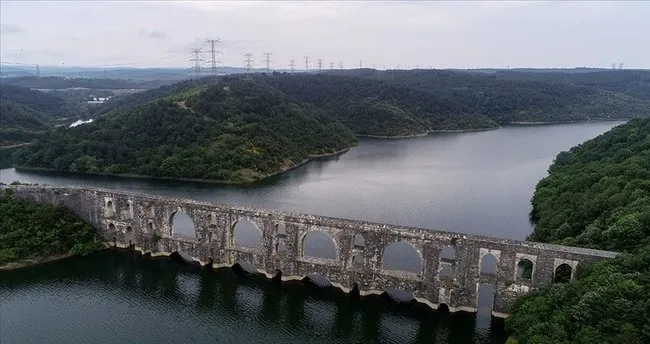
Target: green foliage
{"x":597,"y":195}
{"x":30,"y":231}
{"x":234,"y":131}
{"x":56,"y":82}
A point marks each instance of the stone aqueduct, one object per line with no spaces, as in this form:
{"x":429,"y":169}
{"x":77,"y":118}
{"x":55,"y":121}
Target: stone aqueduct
{"x":145,"y":223}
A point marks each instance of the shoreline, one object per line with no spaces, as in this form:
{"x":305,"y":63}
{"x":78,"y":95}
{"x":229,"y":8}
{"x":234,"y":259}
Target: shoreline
{"x":194,"y":180}
{"x":531,"y":123}
{"x":428,"y":132}
{"x":33,"y":262}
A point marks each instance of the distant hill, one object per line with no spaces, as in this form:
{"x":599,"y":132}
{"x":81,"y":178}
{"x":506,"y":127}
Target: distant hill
{"x":232,"y":131}
{"x":55,"y":82}
{"x":517,"y":100}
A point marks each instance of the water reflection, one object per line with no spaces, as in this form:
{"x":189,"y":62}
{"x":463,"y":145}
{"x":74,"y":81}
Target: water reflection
{"x":144,"y":300}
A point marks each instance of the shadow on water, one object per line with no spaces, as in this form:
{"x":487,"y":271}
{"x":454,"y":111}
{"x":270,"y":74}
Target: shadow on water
{"x":123,"y":296}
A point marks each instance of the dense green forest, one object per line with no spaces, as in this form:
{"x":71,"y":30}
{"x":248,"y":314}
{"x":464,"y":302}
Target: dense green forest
{"x":31,"y":232}
{"x":236,"y":131}
{"x":597,"y":195}
{"x":516,"y":100}
{"x":26,"y":114}
{"x":375,"y":107}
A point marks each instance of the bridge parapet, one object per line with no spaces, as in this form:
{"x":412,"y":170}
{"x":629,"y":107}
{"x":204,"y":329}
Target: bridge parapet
{"x":145,"y":222}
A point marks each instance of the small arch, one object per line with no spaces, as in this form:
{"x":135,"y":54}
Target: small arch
{"x":401,"y":255}
{"x":359,"y":241}
{"x":150,"y":211}
{"x":400,"y":295}
{"x":525,"y":269}
{"x":319,"y":244}
{"x":110,"y":210}
{"x":357,"y":260}
{"x":562,"y":273}
{"x":211,"y":230}
{"x":443,"y":308}
{"x":446,"y":273}
{"x":448,"y":253}
{"x":245,"y":233}
{"x":150,"y":226}
{"x":280,"y":230}
{"x":484,"y":305}
{"x":488,"y":264}
{"x":280,"y":247}
{"x":182,"y":225}
{"x":111,"y":227}
{"x":129,"y":229}
{"x":209,"y":218}
{"x":318,"y":280}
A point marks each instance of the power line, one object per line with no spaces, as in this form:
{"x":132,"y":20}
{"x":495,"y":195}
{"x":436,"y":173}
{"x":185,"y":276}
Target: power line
{"x":248,"y":60}
{"x":331,"y":65}
{"x":341,"y":65}
{"x":268,"y":62}
{"x":214,"y":56}
{"x":197,"y":61}
{"x":320,"y":65}
{"x":306,"y":63}
{"x":292,"y":65}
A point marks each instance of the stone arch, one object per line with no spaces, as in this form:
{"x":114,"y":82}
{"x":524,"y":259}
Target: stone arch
{"x":319,"y":244}
{"x":448,"y":254}
{"x":400,"y":295}
{"x":488,"y":264}
{"x":525,"y":269}
{"x":110,"y":209}
{"x":150,"y":227}
{"x":182,"y":224}
{"x":446,"y":272}
{"x":563,"y":273}
{"x":280,"y":247}
{"x":318,"y":280}
{"x":359,"y":241}
{"x":112,"y":228}
{"x":357,"y":261}
{"x":246,"y":233}
{"x":401,"y":255}
{"x":281,"y":230}
{"x":129,"y":229}
{"x":485,"y":297}
{"x":211,"y":230}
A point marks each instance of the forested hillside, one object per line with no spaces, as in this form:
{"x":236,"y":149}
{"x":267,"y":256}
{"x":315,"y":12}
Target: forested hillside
{"x":371,"y":107}
{"x":597,"y":195}
{"x":516,"y":100}
{"x":26,"y":114}
{"x":235,"y":131}
{"x":55,"y":82}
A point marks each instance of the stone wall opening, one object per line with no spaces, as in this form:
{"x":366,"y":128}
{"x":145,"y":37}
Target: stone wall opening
{"x":182,"y":225}
{"x":525,"y":269}
{"x":111,"y":228}
{"x":110,"y":210}
{"x":402,"y":256}
{"x":562,"y":273}
{"x":150,"y":227}
{"x":400,"y":295}
{"x":280,"y":248}
{"x":359,"y":242}
{"x":448,"y":254}
{"x":318,"y":280}
{"x":281,"y":230}
{"x":488,"y":265}
{"x":446,"y":272}
{"x":319,"y":244}
{"x":247,"y":234}
{"x":484,"y":305}
{"x":357,"y":260}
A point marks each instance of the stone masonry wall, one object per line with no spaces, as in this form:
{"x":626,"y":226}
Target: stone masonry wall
{"x":145,"y":223}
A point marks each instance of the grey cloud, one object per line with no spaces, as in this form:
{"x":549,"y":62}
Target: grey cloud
{"x":154,"y":34}
{"x":9,"y":29}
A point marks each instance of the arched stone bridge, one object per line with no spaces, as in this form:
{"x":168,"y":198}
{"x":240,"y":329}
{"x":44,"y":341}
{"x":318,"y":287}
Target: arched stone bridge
{"x":145,"y":223}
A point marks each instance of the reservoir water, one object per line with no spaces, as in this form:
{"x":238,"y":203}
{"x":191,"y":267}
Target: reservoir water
{"x":478,"y":183}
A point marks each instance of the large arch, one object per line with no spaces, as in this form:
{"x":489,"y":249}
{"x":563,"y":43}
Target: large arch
{"x":359,"y":241}
{"x":485,"y":296}
{"x":401,"y":255}
{"x":319,"y":244}
{"x":182,"y":225}
{"x":525,"y":269}
{"x":246,"y":233}
{"x":448,"y":254}
{"x":563,"y":273}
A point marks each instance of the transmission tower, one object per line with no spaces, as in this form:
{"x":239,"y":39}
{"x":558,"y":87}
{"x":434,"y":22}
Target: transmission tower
{"x":292,"y":65}
{"x":197,"y":61}
{"x":268,"y":61}
{"x":306,"y":63}
{"x":331,"y":65}
{"x":320,"y":65}
{"x":38,"y":71}
{"x":341,"y":65}
{"x":214,"y":54}
{"x":248,"y":59}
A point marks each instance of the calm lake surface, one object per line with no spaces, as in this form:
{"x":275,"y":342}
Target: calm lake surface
{"x":478,"y":183}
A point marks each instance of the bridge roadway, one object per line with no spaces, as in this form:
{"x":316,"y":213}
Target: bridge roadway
{"x":145,"y":222}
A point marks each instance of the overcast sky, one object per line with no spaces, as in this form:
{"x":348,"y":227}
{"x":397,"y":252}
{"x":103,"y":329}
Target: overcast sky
{"x":381,"y":34}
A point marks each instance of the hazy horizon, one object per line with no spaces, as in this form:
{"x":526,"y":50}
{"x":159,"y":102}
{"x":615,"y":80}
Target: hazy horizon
{"x":384,"y":35}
